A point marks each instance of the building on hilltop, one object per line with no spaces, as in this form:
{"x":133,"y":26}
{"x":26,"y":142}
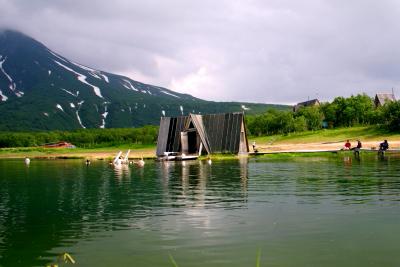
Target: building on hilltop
{"x":383,"y":98}
{"x":309,"y":103}
{"x":199,"y":134}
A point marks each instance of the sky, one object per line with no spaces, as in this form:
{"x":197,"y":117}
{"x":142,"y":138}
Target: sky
{"x":264,"y":51}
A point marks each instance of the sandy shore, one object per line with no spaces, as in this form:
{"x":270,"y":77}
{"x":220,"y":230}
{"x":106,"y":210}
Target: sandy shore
{"x":320,"y":146}
{"x":150,"y":153}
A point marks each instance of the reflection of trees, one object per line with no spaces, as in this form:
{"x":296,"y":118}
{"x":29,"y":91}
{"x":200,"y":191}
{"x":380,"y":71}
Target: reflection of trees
{"x":55,"y":204}
{"x":58,"y":202}
{"x":354,"y":182}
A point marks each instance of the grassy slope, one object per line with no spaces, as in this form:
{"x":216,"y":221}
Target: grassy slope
{"x":148,"y":151}
{"x":369,"y":133}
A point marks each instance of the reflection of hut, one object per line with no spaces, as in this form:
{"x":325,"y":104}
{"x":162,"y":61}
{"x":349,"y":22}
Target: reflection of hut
{"x":196,"y":134}
{"x":382,"y":99}
{"x":309,"y":103}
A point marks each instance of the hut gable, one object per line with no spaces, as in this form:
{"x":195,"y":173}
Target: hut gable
{"x":382,"y":99}
{"x":212,"y":133}
{"x":309,"y":103}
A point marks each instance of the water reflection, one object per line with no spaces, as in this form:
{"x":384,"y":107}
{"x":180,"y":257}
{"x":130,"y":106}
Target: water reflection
{"x":122,"y":171}
{"x":58,"y":203}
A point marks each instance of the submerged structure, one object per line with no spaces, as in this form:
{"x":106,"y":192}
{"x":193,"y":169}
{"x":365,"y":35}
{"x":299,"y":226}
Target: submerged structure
{"x":202,"y":134}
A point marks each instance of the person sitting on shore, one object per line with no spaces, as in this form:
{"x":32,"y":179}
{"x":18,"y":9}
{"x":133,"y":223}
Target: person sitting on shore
{"x":254,"y":147}
{"x":347,"y":145}
{"x":384,"y":146}
{"x":358,"y":147}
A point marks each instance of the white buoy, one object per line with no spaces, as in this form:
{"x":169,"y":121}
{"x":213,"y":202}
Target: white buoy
{"x":27,"y":161}
{"x":140,"y":163}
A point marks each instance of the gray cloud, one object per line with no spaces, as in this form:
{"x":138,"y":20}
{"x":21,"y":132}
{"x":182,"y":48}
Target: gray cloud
{"x":260,"y":51}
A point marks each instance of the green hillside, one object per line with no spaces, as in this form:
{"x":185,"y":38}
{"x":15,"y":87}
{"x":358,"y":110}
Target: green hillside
{"x":41,"y":90}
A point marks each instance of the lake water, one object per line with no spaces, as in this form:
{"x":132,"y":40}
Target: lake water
{"x":297,"y":212}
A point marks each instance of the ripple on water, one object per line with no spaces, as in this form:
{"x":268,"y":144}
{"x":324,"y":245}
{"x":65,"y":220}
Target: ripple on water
{"x":217,"y":215}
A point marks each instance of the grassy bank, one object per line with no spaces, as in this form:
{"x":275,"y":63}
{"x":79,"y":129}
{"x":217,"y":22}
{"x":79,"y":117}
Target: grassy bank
{"x":370,"y":133}
{"x":137,"y":151}
{"x":277,"y":141}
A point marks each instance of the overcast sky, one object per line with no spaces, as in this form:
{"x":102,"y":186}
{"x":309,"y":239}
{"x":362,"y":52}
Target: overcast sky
{"x":267,"y":51}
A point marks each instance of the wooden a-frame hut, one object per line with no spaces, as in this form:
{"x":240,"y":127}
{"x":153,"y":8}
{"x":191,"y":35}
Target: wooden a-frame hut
{"x":199,"y":134}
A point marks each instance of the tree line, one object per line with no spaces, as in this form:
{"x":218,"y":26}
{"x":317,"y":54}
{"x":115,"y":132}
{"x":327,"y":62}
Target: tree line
{"x":86,"y":138}
{"x":341,"y":112}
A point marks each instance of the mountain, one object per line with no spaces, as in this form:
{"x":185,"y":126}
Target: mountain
{"x":42,"y":90}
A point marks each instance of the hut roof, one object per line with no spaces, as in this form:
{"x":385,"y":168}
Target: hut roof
{"x":382,"y":98}
{"x":219,"y":133}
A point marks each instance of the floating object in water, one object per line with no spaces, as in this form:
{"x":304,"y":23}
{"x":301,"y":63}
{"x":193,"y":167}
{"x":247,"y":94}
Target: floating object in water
{"x":140,"y":163}
{"x":87,"y":162}
{"x":117,"y":157}
{"x":118,"y":162}
{"x":63,"y":258}
{"x":27,"y":161}
{"x":126,"y":159}
{"x":66,"y":258}
{"x":209,"y":161}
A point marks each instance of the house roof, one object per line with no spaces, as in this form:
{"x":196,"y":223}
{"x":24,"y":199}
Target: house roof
{"x":383,"y":98}
{"x":308,"y":103}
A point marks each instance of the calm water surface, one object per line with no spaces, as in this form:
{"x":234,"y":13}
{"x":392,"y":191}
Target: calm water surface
{"x":303,"y":212}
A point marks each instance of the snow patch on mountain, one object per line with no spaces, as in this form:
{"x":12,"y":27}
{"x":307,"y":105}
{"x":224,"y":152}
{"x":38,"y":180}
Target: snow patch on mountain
{"x":69,"y":92}
{"x":244,"y":107}
{"x":57,"y":56}
{"x":95,"y":73}
{"x":168,"y":93}
{"x":104,"y":115}
{"x":3,"y":97}
{"x":105,"y":77}
{"x":60,"y":107}
{"x":82,"y":78}
{"x":77,"y":114}
{"x":128,"y":85}
{"x":12,"y":86}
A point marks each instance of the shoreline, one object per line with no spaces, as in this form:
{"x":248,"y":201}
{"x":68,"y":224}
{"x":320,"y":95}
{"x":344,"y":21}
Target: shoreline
{"x":290,"y":149}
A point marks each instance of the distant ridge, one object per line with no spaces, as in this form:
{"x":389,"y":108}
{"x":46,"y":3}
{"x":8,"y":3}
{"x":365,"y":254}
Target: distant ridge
{"x":41,"y":90}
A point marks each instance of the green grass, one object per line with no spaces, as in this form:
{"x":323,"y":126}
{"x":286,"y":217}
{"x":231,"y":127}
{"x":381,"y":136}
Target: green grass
{"x":72,"y":152}
{"x":329,"y":135}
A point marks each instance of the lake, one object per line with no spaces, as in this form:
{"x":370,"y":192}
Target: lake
{"x":334,"y":211}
